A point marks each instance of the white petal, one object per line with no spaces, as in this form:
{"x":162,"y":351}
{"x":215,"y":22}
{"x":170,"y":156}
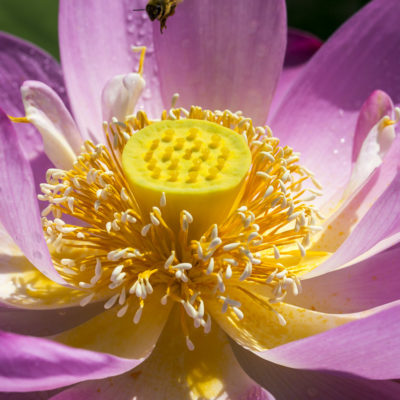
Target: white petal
{"x":46,"y":111}
{"x":120,"y":96}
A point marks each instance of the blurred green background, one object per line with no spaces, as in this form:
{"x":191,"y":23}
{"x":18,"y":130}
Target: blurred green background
{"x":36,"y":20}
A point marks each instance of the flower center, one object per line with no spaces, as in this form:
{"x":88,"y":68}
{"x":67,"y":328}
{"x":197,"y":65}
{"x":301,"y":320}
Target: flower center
{"x":192,"y":206}
{"x":198,"y":165}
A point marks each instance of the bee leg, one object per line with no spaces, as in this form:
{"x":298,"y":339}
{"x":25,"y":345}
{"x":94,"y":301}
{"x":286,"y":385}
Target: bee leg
{"x":163,"y":23}
{"x":172,"y":11}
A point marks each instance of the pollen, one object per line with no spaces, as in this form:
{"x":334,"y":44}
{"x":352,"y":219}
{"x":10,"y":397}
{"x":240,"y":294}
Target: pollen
{"x":189,"y":206}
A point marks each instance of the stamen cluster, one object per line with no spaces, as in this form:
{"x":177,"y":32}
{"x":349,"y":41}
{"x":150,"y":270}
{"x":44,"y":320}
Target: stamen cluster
{"x":108,"y":249}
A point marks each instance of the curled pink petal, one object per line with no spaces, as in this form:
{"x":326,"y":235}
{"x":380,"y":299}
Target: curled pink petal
{"x":21,"y":61}
{"x":375,"y":107}
{"x":46,"y":111}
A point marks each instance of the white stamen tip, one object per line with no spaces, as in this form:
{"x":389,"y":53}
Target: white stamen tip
{"x":169,"y":260}
{"x":231,"y":246}
{"x":111,"y":301}
{"x":86,"y":300}
{"x":238,"y":312}
{"x":276,"y":253}
{"x":145,"y":230}
{"x":188,"y":216}
{"x":301,"y":248}
{"x":210,"y":267}
{"x":282,"y":321}
{"x":163,"y":200}
{"x":164,"y":299}
{"x":189,"y":344}
{"x":138,"y":315}
{"x":122,"y":311}
{"x":183,"y":266}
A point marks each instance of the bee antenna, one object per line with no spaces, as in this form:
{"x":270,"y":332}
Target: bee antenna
{"x":139,"y":9}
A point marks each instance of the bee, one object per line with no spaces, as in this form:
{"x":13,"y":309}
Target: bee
{"x":161,"y":10}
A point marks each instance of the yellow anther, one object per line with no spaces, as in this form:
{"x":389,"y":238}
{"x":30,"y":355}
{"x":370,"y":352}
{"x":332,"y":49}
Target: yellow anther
{"x":192,"y":133}
{"x":386,"y":121}
{"x":23,"y":120}
{"x":142,"y":50}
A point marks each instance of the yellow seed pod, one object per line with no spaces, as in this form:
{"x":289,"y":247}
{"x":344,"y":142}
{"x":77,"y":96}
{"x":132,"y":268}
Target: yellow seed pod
{"x":201,"y":185}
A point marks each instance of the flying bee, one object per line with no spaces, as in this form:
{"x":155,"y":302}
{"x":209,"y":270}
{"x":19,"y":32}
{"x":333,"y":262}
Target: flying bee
{"x":161,"y":10}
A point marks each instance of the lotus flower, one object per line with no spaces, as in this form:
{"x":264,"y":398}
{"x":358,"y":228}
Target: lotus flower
{"x":185,"y":253}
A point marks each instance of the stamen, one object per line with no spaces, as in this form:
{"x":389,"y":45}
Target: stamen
{"x":189,"y":344}
{"x":142,"y":51}
{"x":131,"y":242}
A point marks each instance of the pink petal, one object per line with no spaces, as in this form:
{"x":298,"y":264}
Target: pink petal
{"x":288,"y":383}
{"x":301,"y":46}
{"x":31,"y":364}
{"x":370,"y":283}
{"x":124,"y":387}
{"x":381,"y":222}
{"x":220,"y":56}
{"x":45,"y":322}
{"x":95,"y":44}
{"x":20,"y":213}
{"x":323,"y":103}
{"x":43,"y":395}
{"x":368,"y":348}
